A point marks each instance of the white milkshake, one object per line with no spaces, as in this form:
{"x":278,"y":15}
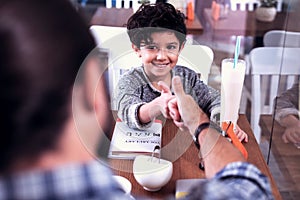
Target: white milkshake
{"x":231,"y":89}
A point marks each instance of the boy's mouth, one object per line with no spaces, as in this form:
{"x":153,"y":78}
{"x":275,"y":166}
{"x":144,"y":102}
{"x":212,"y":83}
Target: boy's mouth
{"x":161,"y":65}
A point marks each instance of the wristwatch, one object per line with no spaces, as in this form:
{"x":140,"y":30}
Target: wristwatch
{"x":203,"y":126}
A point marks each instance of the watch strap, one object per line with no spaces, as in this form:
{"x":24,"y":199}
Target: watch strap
{"x":198,"y":131}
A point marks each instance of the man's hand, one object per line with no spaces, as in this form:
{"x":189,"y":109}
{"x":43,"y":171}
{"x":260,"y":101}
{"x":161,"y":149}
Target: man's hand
{"x":157,"y":106}
{"x":185,"y":108}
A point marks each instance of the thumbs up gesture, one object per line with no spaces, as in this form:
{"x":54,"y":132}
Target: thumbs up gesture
{"x":184,"y":111}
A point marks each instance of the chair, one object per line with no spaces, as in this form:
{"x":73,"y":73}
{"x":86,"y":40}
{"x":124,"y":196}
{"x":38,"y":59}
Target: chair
{"x":118,"y":3}
{"x":199,"y":58}
{"x":121,"y":56}
{"x":273,"y":38}
{"x":281,"y":38}
{"x":274,"y":62}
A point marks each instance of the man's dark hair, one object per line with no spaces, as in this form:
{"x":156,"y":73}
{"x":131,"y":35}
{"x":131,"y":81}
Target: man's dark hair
{"x":42,"y":46}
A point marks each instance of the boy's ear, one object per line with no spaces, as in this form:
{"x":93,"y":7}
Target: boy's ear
{"x":137,"y":50}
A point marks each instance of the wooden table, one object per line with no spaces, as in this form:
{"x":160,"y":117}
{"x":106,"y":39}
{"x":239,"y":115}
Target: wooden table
{"x":118,"y":17}
{"x":244,"y":23}
{"x":179,"y":148}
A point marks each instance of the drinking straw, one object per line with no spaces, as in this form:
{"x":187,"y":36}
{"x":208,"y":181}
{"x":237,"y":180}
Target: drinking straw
{"x":237,"y":50}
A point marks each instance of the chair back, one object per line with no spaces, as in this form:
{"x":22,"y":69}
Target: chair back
{"x":121,"y":56}
{"x":125,"y":3}
{"x":250,"y":5}
{"x":281,"y":38}
{"x":282,"y":66}
{"x":199,"y":58}
{"x":104,"y":33}
{"x":244,"y":4}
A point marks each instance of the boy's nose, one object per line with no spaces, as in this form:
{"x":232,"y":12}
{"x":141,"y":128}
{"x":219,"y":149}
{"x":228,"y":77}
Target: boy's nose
{"x":161,"y":54}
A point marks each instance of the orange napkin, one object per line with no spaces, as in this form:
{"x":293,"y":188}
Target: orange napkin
{"x":234,"y":139}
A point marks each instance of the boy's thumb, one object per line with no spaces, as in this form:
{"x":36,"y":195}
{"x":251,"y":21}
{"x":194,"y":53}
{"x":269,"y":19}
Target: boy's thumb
{"x":164,"y":87}
{"x":177,"y":86}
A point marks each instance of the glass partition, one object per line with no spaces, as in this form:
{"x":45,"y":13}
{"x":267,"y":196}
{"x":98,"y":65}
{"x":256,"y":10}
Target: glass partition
{"x":280,"y":130}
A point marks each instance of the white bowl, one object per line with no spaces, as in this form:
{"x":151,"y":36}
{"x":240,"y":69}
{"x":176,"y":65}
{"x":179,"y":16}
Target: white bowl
{"x":152,"y":173}
{"x":124,"y":183}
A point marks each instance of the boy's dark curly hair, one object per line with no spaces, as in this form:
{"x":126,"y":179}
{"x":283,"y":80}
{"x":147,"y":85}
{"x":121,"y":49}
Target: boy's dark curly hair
{"x":151,"y":18}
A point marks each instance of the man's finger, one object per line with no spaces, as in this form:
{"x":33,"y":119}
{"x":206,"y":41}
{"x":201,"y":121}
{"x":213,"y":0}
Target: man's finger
{"x":172,"y":104}
{"x":179,"y":124}
{"x":177,"y":86}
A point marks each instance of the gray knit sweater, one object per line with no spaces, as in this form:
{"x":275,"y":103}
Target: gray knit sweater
{"x":134,"y":89}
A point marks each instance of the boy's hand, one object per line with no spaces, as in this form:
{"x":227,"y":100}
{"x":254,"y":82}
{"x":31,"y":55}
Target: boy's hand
{"x":164,"y":99}
{"x":241,"y":135}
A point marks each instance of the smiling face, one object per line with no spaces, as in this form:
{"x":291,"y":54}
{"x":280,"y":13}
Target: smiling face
{"x":160,"y":55}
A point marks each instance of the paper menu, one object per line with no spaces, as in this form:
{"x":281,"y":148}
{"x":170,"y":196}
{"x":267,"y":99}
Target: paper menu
{"x":126,"y":143}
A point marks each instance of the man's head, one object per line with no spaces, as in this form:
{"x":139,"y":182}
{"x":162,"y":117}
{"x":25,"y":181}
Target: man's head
{"x":43,"y":44}
{"x":152,"y":18}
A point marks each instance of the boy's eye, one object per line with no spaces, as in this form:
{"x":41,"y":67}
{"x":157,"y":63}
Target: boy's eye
{"x":151,"y":47}
{"x":171,"y":47}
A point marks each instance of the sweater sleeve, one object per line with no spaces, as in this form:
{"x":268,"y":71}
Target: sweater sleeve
{"x":287,"y":103}
{"x":127,"y":100}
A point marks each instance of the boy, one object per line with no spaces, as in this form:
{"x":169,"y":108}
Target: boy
{"x":158,"y":34}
